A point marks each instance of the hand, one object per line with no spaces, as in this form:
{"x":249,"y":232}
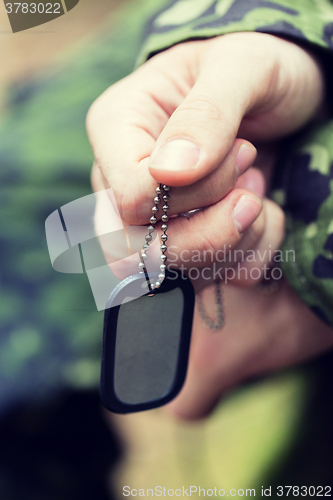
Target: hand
{"x":202,"y":94}
{"x":178,"y":120}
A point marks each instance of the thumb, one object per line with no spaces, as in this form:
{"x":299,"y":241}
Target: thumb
{"x":198,"y":136}
{"x":239,"y":74}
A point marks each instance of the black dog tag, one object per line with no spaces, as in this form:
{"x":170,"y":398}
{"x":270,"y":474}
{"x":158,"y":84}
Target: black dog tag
{"x":146,"y":343}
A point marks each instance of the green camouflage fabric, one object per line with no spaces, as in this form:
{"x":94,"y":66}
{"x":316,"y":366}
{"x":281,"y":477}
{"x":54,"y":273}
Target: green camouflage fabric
{"x":304,"y":20}
{"x":304,"y":188}
{"x":310,"y":161}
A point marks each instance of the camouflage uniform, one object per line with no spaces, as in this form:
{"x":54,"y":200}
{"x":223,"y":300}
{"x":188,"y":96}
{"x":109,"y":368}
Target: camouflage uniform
{"x":304,"y":180}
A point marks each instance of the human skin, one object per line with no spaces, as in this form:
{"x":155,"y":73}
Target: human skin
{"x":187,"y":118}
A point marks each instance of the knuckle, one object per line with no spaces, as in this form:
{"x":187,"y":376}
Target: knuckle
{"x":134,"y":210}
{"x":207,"y":243}
{"x":210,"y":110}
{"x":95,"y":116}
{"x":105,"y":104}
{"x":128,"y":207}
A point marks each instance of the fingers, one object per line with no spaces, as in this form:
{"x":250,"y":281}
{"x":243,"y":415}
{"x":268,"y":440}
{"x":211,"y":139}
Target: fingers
{"x":241,"y":75}
{"x":215,"y":186}
{"x":188,"y":104}
{"x":213,"y":243}
{"x":252,"y":261}
{"x":195,"y":242}
{"x":261,"y":254}
{"x":208,"y":231}
{"x":123,"y":125}
{"x":203,"y":193}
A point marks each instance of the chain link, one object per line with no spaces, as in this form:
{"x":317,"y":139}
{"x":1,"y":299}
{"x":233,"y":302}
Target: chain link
{"x":161,"y":191}
{"x":162,"y":194}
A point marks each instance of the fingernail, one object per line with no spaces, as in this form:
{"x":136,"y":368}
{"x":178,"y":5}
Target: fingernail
{"x":245,"y":157}
{"x":246,"y":211}
{"x":178,"y":154}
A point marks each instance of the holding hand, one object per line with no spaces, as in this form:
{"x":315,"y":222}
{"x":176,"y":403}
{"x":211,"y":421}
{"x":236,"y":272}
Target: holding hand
{"x":178,"y":120}
{"x":202,"y":95}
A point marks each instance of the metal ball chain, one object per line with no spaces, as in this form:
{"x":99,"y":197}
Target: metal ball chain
{"x":162,"y":194}
{"x":161,"y":191}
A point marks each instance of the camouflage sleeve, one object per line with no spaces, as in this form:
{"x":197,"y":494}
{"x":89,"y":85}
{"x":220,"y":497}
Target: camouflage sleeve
{"x":306,"y":21}
{"x":304,"y":188}
{"x":304,"y":181}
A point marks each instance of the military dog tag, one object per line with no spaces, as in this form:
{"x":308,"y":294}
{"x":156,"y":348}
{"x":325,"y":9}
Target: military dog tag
{"x":146,"y":343}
